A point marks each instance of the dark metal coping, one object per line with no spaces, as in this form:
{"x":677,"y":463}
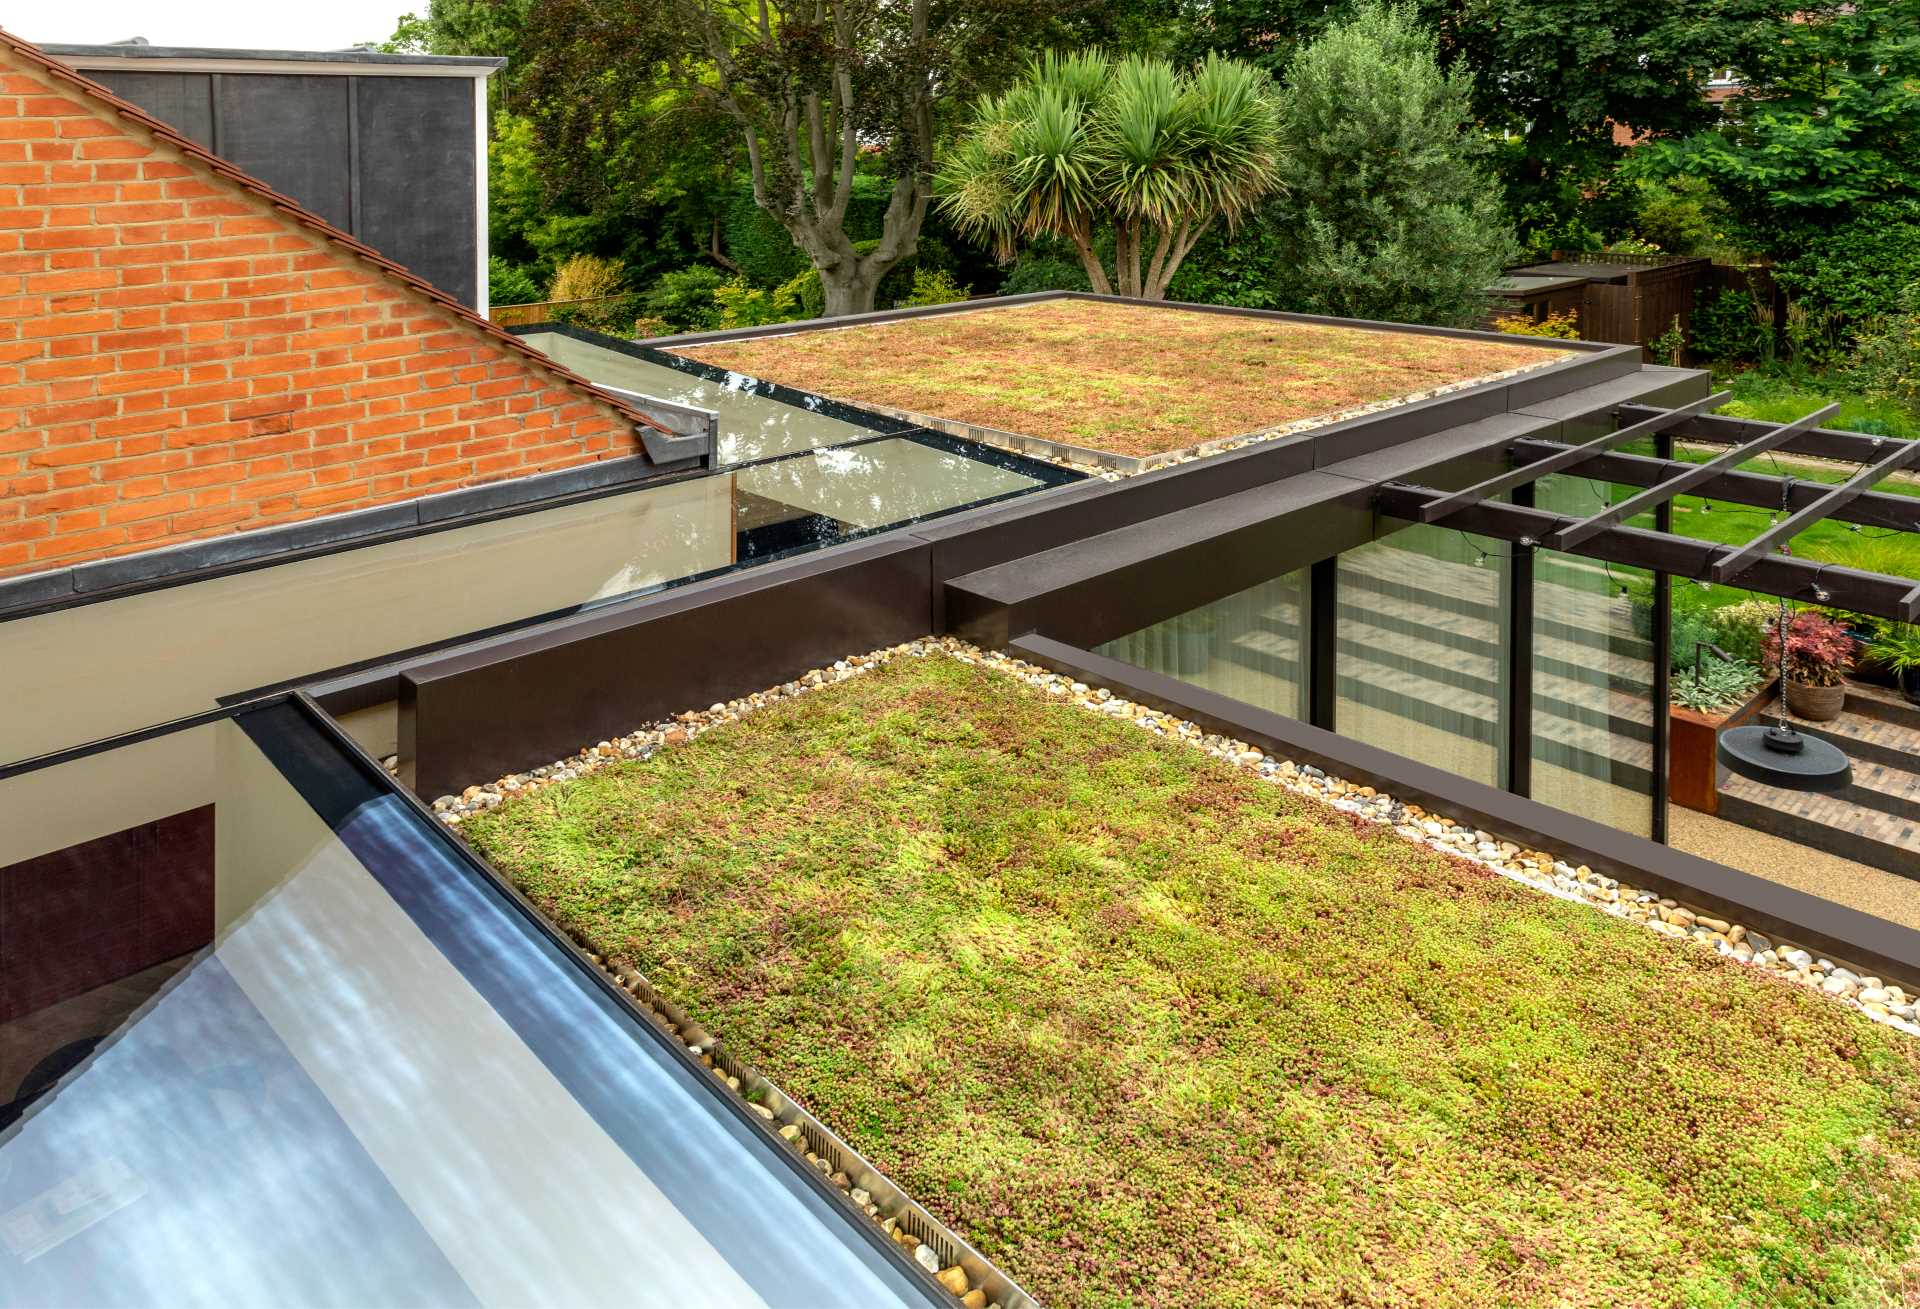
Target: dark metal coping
{"x":483,"y":65}
{"x":194,"y":561}
{"x":1885,"y":948}
{"x":1095,"y":587}
{"x":738,"y":383}
{"x":1173,"y":306}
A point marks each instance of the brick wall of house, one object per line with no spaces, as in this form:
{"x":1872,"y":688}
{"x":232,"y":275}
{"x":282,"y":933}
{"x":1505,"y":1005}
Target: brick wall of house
{"x":180,"y":357}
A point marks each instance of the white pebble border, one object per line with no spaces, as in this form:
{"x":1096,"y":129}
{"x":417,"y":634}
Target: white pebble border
{"x":1883,"y":1002}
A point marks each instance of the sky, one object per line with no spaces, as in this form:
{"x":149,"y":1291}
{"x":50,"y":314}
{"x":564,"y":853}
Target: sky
{"x":243,"y":24}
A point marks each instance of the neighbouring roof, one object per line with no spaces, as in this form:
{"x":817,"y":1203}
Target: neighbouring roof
{"x":370,"y":60}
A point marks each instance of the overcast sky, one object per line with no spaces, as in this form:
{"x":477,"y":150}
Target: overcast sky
{"x":246,"y":24}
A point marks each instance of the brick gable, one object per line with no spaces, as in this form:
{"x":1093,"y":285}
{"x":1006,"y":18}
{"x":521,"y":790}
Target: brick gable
{"x":185,"y":354}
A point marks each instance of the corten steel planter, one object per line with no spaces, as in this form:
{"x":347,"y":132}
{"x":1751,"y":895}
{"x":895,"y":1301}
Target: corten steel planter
{"x":1693,"y":766}
{"x":1816,"y":704}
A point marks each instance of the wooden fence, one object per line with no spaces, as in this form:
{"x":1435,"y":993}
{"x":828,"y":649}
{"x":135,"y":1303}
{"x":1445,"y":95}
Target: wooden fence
{"x":542,"y":311}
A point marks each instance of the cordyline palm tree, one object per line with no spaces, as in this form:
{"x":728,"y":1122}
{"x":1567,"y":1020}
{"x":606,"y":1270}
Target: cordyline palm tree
{"x":1084,"y":140}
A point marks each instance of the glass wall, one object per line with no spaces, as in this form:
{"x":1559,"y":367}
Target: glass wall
{"x":1251,"y":646}
{"x":1593,"y":675}
{"x":1422,"y":634}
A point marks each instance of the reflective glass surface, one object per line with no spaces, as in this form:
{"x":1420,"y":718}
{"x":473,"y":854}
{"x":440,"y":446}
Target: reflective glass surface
{"x":368,"y":1079}
{"x":752,"y":425}
{"x":1422,"y":636}
{"x":1593,"y":675}
{"x":1250,"y":646}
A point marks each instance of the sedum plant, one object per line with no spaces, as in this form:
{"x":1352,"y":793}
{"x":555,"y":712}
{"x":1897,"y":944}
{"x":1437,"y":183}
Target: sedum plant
{"x":1086,"y":142}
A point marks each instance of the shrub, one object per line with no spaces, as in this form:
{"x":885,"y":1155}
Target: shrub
{"x":1819,"y":651}
{"x":1682,"y":214}
{"x":1898,"y":647}
{"x":1395,"y":213}
{"x":1565,"y":327}
{"x":1632,"y":245}
{"x":1856,"y":271}
{"x":685,"y":299}
{"x":1671,"y":345}
{"x":510,"y":284}
{"x":1887,"y":361}
{"x":808,"y":295}
{"x":1727,"y":327}
{"x":1040,"y":272}
{"x":588,"y":277}
{"x":1741,"y":629}
{"x":741,"y":305}
{"x":934,"y":286}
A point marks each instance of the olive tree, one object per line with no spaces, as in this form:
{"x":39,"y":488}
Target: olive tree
{"x":1085,"y":143}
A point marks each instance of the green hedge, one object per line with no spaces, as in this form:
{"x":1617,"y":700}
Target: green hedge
{"x":1859,"y":268}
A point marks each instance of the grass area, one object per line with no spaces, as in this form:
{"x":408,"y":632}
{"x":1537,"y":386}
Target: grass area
{"x":1775,"y":399}
{"x":1149,"y":1031}
{"x":1132,"y":380}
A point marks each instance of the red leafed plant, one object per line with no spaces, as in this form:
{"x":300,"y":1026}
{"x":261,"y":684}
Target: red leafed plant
{"x":1819,"y":651}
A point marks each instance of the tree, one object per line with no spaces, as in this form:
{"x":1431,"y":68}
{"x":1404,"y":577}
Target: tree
{"x":815,"y":92}
{"x":1085,"y":142}
{"x":1829,"y":119}
{"x":1390,"y":211}
{"x":1555,"y":74}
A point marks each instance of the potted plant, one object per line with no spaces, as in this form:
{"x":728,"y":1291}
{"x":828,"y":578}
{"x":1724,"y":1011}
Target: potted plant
{"x":1819,"y":654}
{"x":1709,"y":693}
{"x":1897,"y":648}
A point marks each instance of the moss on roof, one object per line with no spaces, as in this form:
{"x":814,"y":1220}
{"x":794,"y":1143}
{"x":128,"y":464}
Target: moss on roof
{"x":1150,"y":1031}
{"x":1131,"y":379}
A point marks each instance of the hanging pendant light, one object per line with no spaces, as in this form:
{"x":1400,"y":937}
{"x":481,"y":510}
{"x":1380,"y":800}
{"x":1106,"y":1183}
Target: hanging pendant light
{"x":1780,"y":756}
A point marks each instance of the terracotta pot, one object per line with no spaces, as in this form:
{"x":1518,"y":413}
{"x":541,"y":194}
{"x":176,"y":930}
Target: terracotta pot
{"x":1816,"y":704}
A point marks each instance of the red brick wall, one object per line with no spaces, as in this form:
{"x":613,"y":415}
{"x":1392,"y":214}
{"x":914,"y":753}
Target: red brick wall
{"x":179,"y":359}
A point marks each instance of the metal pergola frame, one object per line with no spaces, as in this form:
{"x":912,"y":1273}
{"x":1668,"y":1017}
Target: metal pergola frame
{"x":1756,"y":565}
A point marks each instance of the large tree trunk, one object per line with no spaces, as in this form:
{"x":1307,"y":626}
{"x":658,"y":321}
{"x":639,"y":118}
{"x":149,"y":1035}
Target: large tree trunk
{"x":848,"y":292}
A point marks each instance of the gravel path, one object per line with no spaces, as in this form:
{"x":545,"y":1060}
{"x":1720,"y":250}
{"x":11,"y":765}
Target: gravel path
{"x":1871,"y":890}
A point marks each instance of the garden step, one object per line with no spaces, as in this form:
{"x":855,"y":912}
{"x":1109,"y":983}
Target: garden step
{"x":1882,"y":702}
{"x":1875,"y":740}
{"x":1836,"y":824}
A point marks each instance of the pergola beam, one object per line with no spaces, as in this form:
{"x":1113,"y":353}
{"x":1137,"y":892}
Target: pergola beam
{"x":1501,"y":483}
{"x":1719,"y":429}
{"x":1905,"y":453}
{"x":1783,"y":575}
{"x":1900,"y":513}
{"x":1567,"y":538}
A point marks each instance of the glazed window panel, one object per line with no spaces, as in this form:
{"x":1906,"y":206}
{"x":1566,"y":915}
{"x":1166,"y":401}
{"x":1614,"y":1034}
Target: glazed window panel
{"x":1593,"y":674}
{"x":1250,"y":646}
{"x":1422,"y":632}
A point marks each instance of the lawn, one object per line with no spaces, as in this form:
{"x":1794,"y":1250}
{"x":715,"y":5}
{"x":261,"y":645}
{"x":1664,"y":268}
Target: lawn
{"x":1123,"y":378}
{"x":1150,"y":1031}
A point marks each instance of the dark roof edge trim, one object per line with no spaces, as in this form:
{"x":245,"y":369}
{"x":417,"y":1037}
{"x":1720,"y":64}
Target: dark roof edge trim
{"x":194,"y":561}
{"x":372,"y":62}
